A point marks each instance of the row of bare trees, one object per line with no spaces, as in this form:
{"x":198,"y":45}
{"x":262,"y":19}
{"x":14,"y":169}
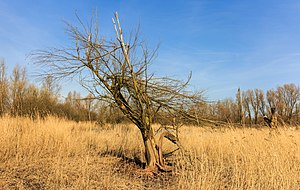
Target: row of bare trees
{"x":19,"y":97}
{"x":250,"y":106}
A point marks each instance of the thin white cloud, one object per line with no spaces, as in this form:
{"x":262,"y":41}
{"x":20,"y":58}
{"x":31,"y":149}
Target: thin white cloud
{"x":19,"y":36}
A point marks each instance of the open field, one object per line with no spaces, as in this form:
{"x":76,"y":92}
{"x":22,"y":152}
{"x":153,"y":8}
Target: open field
{"x":59,"y":154}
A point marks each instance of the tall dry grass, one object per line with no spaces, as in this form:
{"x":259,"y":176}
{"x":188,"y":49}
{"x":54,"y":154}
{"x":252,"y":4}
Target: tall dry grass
{"x":240,"y":159}
{"x":60,"y":154}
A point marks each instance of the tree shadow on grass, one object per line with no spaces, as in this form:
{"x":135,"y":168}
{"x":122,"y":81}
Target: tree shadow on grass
{"x":120,"y":154}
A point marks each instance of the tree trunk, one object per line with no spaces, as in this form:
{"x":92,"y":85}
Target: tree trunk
{"x":151,"y":153}
{"x":153,"y":150}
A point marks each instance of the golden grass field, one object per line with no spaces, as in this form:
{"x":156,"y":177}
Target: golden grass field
{"x":60,"y":154}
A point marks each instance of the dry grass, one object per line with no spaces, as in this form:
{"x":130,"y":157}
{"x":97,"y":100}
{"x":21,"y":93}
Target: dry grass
{"x":60,"y":154}
{"x":241,"y":159}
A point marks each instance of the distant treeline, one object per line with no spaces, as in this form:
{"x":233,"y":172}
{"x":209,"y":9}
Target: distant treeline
{"x":19,"y":97}
{"x":250,"y":106}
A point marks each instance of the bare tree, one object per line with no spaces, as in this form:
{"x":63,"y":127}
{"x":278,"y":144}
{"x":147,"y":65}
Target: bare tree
{"x":289,"y":95}
{"x":51,"y":86}
{"x":116,"y":71}
{"x":281,"y":106}
{"x":285,"y":99}
{"x":89,"y":102}
{"x":32,"y":102}
{"x":240,"y":107}
{"x":271,"y":99}
{"x":227,"y":111}
{"x":4,"y":89}
{"x":255,"y":103}
{"x":246,"y":104}
{"x":262,"y":104}
{"x":18,"y":88}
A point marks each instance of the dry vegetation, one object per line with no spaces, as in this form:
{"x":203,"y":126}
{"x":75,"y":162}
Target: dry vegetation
{"x":59,"y":154}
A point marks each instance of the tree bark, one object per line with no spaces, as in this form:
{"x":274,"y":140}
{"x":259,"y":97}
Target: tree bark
{"x":151,"y":153}
{"x":153,"y":150}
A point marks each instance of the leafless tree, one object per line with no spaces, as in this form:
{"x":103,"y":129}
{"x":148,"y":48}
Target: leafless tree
{"x":227,"y":111}
{"x":50,"y":85}
{"x":289,"y":95}
{"x":116,"y":71}
{"x":240,"y":109}
{"x":32,"y":102}
{"x":271,"y":98}
{"x":18,"y":88}
{"x":254,"y":96}
{"x":246,"y":104}
{"x":285,"y":99}
{"x":262,"y":102}
{"x":4,"y":89}
{"x":88,"y":104}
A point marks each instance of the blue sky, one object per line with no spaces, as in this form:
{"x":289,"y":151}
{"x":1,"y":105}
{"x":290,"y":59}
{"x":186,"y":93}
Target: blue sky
{"x":226,"y":44}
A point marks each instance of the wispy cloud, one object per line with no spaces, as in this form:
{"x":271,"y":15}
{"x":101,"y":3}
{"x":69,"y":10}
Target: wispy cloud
{"x":19,"y":36}
{"x":221,"y":73}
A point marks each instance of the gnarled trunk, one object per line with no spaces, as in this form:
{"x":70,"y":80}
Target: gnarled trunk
{"x":153,"y":150}
{"x":151,"y":153}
